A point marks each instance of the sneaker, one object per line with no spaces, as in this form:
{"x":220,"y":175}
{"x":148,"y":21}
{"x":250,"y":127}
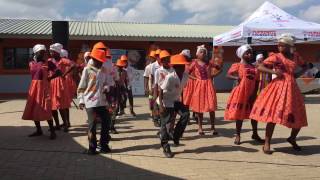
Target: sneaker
{"x":91,"y":152}
{"x":167,"y":151}
{"x":105,"y":150}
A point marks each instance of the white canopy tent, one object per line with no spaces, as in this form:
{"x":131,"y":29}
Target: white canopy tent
{"x":265,"y":25}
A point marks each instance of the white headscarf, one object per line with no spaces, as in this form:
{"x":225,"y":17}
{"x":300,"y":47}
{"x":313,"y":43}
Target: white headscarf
{"x":287,"y":38}
{"x":186,"y":52}
{"x":86,"y":54}
{"x":64,"y":53}
{"x":259,"y":56}
{"x":200,"y":48}
{"x":242,"y":49}
{"x":57,"y":47}
{"x":38,"y":47}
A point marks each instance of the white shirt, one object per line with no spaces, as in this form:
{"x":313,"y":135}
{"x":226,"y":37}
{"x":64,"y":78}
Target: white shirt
{"x":161,"y":74}
{"x":172,"y":88}
{"x":109,"y":70}
{"x":91,"y":87}
{"x":130,"y":70}
{"x":147,"y":73}
{"x":154,"y":66}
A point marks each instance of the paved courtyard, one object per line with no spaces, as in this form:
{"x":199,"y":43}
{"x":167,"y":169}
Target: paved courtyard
{"x":137,"y":154}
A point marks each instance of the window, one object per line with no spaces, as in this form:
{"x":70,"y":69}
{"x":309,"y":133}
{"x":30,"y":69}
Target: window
{"x":16,"y":58}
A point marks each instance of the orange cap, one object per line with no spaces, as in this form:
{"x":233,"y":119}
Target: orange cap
{"x":100,"y":45}
{"x":124,"y":58}
{"x":178,"y":59}
{"x":121,"y":63}
{"x":158,"y":51}
{"x":164,"y":54}
{"x":152,"y":54}
{"x":99,"y":55}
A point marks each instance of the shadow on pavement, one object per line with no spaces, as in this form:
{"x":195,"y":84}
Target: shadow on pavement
{"x":40,"y":158}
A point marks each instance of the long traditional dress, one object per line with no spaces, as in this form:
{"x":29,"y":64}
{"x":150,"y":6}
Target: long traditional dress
{"x":242,"y":97}
{"x":59,"y":89}
{"x":188,"y":90}
{"x":204,"y":98}
{"x":38,"y":106}
{"x":281,"y":102}
{"x":72,"y":86}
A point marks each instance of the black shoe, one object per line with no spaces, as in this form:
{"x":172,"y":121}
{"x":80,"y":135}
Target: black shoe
{"x":294,"y":144}
{"x":53,"y":136}
{"x":37,"y":133}
{"x":257,"y":138}
{"x":113,"y":131}
{"x":105,"y":150}
{"x":91,"y":152}
{"x":133,"y":113}
{"x":167,"y":151}
{"x":57,"y":128}
{"x":176,"y":142}
{"x":65,"y":129}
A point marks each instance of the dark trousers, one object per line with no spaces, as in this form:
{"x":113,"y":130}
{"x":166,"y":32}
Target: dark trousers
{"x":121,"y":98}
{"x":129,"y":97}
{"x":166,"y":119}
{"x":104,"y":116}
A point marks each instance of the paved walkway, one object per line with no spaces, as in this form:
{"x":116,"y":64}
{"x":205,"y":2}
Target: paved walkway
{"x":137,"y":154}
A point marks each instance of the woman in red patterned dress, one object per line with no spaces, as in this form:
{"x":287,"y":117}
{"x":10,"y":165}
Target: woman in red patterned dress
{"x":38,"y":106}
{"x":281,"y":101}
{"x":203,"y":97}
{"x":59,"y":88}
{"x":243,"y":95}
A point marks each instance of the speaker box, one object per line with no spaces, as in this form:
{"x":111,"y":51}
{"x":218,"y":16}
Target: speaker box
{"x":60,"y":33}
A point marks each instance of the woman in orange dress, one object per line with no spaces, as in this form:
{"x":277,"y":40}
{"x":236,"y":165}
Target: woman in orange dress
{"x":204,"y":97}
{"x":243,"y":95}
{"x":59,"y":88}
{"x":38,"y":106}
{"x":70,"y":67}
{"x":281,"y":101}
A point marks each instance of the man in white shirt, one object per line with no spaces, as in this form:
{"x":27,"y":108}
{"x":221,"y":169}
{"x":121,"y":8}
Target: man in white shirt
{"x":170,"y":103}
{"x":91,"y":94}
{"x":159,"y":77}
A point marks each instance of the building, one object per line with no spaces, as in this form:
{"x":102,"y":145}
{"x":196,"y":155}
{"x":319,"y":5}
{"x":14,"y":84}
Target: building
{"x":17,"y":37}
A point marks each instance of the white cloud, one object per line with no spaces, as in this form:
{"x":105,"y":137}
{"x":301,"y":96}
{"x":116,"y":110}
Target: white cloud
{"x":312,"y":13}
{"x":151,"y":11}
{"x":35,"y":9}
{"x":223,"y":12}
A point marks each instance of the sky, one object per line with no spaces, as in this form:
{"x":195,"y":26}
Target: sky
{"x":214,"y":12}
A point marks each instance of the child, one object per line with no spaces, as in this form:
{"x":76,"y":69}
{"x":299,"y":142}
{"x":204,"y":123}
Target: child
{"x":129,"y":70}
{"x":38,"y":106}
{"x":161,"y":74}
{"x":243,"y":95}
{"x":121,"y":86}
{"x":169,"y":98}
{"x":204,"y":97}
{"x":281,"y":102}
{"x":147,"y":80}
{"x":154,"y":66}
{"x":59,"y":88}
{"x":91,"y":97}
